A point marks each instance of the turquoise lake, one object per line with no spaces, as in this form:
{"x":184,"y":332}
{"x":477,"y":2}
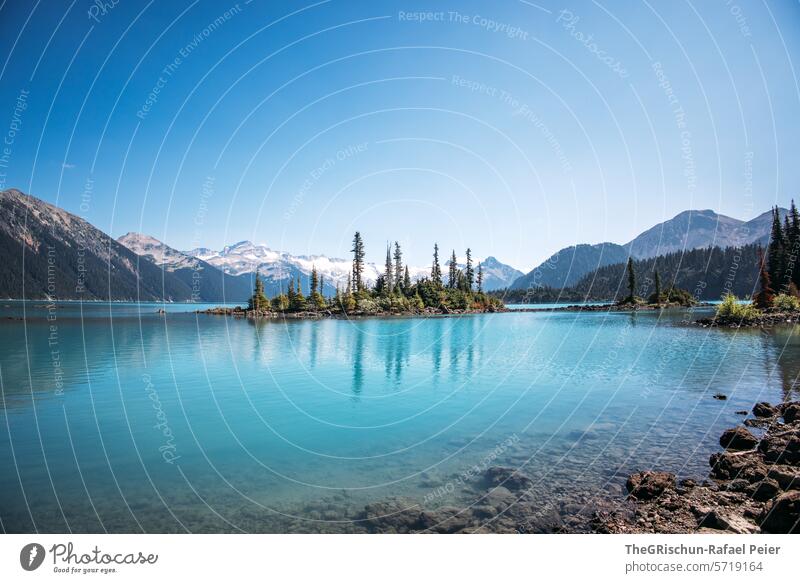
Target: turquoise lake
{"x":116,"y":418}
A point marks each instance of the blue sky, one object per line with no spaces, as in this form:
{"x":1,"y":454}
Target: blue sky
{"x":515,"y":128}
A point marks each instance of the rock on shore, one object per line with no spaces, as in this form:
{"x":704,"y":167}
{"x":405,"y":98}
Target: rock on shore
{"x":754,"y":485}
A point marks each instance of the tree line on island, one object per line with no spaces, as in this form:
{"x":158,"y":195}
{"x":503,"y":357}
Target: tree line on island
{"x":392,"y":292}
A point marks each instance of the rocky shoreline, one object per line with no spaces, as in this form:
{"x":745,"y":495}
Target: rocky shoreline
{"x":753,"y":486}
{"x":765,"y":320}
{"x":611,"y":308}
{"x":239,"y":312}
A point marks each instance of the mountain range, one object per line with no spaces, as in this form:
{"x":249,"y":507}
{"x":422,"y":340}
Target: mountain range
{"x":687,"y":230}
{"x":49,"y":252}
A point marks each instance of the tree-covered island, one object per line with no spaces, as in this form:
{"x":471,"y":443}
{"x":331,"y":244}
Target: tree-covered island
{"x":393,"y":292}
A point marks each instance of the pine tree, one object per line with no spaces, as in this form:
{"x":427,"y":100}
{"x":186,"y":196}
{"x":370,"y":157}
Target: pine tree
{"x":776,"y":252}
{"x":398,"y":266}
{"x":793,"y":236}
{"x":436,"y":270}
{"x":299,"y":303}
{"x":291,"y":296}
{"x":314,"y":281}
{"x":258,"y":301}
{"x":469,"y":273}
{"x":631,"y":280}
{"x":763,"y":299}
{"x":452,"y":280}
{"x":657,"y":279}
{"x":480,"y":278}
{"x":388,"y":274}
{"x":406,"y":280}
{"x":358,"y":262}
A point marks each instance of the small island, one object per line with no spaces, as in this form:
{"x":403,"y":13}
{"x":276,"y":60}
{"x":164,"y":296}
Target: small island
{"x":392,"y":294}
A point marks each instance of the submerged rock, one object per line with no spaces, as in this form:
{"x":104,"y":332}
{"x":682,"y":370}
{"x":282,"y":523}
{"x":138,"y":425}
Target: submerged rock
{"x":648,"y":485}
{"x":508,"y":477}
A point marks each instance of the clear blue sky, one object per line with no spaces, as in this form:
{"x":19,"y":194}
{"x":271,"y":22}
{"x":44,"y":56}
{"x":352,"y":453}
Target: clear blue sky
{"x":511,"y":127}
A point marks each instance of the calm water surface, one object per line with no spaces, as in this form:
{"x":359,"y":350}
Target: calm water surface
{"x":117,"y":418}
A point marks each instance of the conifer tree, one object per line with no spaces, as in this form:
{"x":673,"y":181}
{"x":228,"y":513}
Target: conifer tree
{"x":631,"y":280}
{"x":794,"y":243}
{"x":763,"y":299}
{"x":398,"y":266}
{"x":299,"y":299}
{"x":452,"y":280}
{"x":314,"y":281}
{"x":436,"y":270}
{"x":406,"y":280}
{"x":258,"y":301}
{"x":388,"y":274}
{"x":358,"y":262}
{"x":469,"y":273}
{"x":776,"y":251}
{"x":657,"y":279}
{"x":480,"y":278}
{"x":290,"y":294}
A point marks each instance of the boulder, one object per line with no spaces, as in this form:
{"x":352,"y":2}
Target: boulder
{"x":765,"y":490}
{"x":764,"y":409}
{"x":741,"y":465}
{"x":727,"y":521}
{"x":738,"y":438}
{"x":445,"y":520}
{"x":781,"y":447}
{"x":508,"y":478}
{"x":782,"y":514}
{"x":787,"y":479}
{"x":791,"y":413}
{"x":649,"y":484}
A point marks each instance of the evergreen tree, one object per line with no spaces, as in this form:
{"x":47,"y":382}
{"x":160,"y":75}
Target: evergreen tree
{"x":436,"y":270}
{"x":793,"y":236}
{"x":290,"y":294}
{"x":388,"y":274}
{"x":299,"y":303}
{"x":406,"y":280}
{"x":631,"y":280}
{"x":657,"y":279}
{"x":480,"y":278}
{"x":452,"y":280}
{"x":776,"y":251}
{"x":763,"y":299}
{"x":258,"y":301}
{"x":398,"y":266}
{"x":469,"y":272}
{"x":358,"y":262}
{"x":314,"y":281}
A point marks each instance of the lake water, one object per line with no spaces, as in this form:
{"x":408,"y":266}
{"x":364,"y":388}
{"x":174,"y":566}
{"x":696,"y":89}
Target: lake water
{"x":115,"y":418}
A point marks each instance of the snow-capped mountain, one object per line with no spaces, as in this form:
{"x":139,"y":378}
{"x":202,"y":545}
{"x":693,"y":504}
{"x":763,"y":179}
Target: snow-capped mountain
{"x":159,"y":253}
{"x":246,"y":257}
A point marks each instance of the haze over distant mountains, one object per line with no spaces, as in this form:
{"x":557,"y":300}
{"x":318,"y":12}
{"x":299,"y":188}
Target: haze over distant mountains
{"x":687,"y":230}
